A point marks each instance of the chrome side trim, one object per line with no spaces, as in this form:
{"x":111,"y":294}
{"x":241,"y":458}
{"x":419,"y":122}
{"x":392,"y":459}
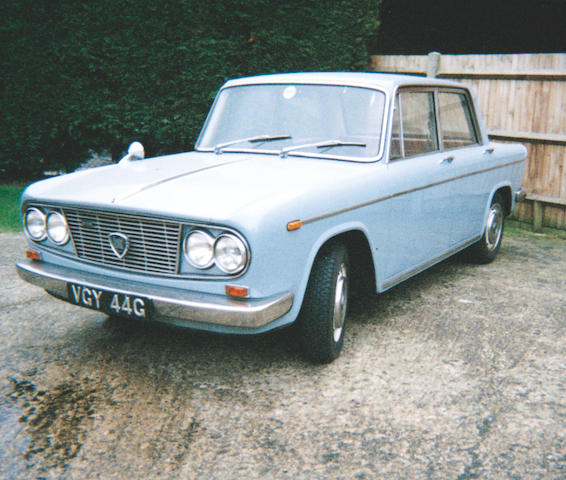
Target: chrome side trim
{"x":171,"y":305}
{"x":428,"y":264}
{"x":405,"y":192}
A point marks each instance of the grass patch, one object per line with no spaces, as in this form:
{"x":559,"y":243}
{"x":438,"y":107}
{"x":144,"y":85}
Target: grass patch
{"x":10,"y":207}
{"x":515,"y":228}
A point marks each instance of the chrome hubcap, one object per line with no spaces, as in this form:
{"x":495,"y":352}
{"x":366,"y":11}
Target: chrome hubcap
{"x":494,"y":226}
{"x":340,"y":303}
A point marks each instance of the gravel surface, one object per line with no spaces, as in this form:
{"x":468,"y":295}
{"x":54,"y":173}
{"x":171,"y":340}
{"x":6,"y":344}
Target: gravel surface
{"x":459,"y":373}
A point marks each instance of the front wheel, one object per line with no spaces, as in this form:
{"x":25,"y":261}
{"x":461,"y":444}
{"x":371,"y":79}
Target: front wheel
{"x":323,"y":315}
{"x":485,"y":250}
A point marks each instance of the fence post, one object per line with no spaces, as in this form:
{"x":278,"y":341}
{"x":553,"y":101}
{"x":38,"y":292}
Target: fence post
{"x":538,"y":212}
{"x":433,"y":64}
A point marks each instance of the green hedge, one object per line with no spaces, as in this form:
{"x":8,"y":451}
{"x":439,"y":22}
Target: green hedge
{"x":99,"y":74}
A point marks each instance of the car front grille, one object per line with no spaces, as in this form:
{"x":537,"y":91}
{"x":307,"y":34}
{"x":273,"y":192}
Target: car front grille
{"x":153,"y":243}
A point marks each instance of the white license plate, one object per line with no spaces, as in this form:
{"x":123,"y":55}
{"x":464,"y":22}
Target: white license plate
{"x":112,"y":303}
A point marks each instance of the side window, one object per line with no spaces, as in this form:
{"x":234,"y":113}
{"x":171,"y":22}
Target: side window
{"x":418,"y":122}
{"x":456,"y":124}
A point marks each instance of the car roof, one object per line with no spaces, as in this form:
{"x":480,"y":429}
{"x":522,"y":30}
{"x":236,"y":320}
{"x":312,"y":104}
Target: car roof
{"x":384,"y":81}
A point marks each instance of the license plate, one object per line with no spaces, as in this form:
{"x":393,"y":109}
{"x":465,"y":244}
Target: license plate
{"x":112,"y":303}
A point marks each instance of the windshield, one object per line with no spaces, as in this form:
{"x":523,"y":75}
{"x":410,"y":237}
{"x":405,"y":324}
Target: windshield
{"x":312,"y":120}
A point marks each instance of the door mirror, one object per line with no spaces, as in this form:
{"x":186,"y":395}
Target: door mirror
{"x":135,"y":152}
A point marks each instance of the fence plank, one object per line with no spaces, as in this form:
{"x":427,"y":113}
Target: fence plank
{"x":505,"y":76}
{"x":555,"y":139}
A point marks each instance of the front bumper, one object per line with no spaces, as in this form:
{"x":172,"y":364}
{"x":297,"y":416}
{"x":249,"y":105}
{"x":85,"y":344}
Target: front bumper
{"x":170,"y":305}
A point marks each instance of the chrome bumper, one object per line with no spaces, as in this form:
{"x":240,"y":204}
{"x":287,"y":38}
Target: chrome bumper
{"x":170,"y":305}
{"x":520,"y":195}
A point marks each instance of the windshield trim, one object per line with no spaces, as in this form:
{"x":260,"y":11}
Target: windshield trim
{"x":297,"y":153}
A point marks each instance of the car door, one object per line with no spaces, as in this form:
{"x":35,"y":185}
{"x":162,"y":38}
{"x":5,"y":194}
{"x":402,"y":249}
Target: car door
{"x":419,"y":207}
{"x":460,"y":143}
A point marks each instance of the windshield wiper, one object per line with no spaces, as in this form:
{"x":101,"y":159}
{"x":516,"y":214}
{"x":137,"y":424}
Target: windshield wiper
{"x":324,"y":144}
{"x":258,"y":138}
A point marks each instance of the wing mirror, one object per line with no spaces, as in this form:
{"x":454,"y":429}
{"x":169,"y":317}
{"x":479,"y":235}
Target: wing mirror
{"x":135,"y":152}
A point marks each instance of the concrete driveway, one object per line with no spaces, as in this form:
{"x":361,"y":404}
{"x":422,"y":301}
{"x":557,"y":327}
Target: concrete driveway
{"x":459,"y":373}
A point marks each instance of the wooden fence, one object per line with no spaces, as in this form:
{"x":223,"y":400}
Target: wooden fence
{"x":523,"y":98}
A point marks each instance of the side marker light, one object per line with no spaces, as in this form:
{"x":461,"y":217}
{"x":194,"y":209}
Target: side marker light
{"x":294,"y":225}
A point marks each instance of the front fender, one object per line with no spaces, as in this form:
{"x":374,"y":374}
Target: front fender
{"x":324,"y":236}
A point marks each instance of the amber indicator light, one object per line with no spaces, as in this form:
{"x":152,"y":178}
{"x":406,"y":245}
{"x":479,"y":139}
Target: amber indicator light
{"x":294,"y":225}
{"x":235,"y":291}
{"x":33,"y":255}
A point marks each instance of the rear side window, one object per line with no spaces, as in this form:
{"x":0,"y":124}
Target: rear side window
{"x":456,"y":123}
{"x":414,"y":124}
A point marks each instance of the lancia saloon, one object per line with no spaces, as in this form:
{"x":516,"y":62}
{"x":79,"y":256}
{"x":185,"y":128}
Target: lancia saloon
{"x":303,"y":188}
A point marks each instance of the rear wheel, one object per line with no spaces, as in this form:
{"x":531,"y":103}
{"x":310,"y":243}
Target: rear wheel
{"x":485,"y":250}
{"x":323,"y":315}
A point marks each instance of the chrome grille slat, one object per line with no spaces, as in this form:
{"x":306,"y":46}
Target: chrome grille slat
{"x":154,"y":243}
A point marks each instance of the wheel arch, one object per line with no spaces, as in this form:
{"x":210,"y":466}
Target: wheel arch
{"x":506,"y":193}
{"x":362,"y":264}
{"x":322,"y":317}
{"x":485,"y":249}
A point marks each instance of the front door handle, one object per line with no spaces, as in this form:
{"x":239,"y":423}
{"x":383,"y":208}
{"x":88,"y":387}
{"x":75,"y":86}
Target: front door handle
{"x":447,"y":160}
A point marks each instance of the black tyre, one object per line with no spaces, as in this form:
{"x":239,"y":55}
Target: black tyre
{"x":485,"y":250}
{"x":323,"y":315}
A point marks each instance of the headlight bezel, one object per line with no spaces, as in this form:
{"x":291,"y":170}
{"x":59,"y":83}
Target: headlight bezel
{"x":241,"y":246}
{"x":63,"y":220}
{"x":187,"y":249}
{"x":48,"y":233}
{"x":216,"y":235}
{"x":35,"y":210}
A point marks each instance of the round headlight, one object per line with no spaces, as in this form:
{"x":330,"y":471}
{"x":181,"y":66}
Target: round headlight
{"x":57,"y":229}
{"x":199,"y":249}
{"x":230,"y":253}
{"x":34,"y":222}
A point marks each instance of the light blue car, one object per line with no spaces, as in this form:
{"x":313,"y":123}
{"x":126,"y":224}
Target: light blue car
{"x":303,"y":188}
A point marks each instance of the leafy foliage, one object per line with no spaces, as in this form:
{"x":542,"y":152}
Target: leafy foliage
{"x":10,"y":211}
{"x":96,"y":75}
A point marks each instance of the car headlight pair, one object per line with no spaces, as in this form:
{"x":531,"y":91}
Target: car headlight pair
{"x":227,"y":251}
{"x":40,"y":226}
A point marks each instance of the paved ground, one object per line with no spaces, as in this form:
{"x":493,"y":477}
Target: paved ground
{"x":459,"y":373}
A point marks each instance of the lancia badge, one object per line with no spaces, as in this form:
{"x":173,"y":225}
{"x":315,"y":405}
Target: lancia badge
{"x":119,"y":244}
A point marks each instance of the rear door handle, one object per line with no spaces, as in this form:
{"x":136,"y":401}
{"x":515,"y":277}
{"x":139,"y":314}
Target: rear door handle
{"x":447,"y":160}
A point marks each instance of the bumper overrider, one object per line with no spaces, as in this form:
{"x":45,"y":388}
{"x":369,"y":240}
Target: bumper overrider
{"x":169,"y":305}
{"x":520,"y":195}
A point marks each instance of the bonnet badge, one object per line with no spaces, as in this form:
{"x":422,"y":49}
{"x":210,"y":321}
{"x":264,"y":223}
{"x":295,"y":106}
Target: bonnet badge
{"x":119,"y":244}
